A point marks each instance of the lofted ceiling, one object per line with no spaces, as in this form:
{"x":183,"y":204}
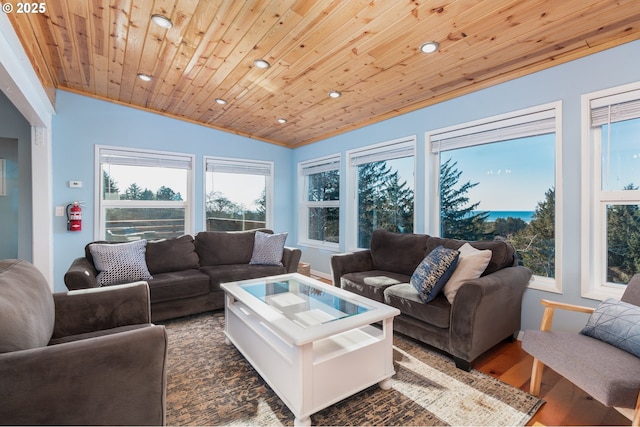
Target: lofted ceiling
{"x":367,"y":50}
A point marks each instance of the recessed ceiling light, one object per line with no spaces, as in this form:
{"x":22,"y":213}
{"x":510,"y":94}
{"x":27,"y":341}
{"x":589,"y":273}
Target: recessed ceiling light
{"x":335,"y":94}
{"x":221,"y":101}
{"x":282,"y":120}
{"x":162,"y":21}
{"x":261,"y":63}
{"x":429,"y":47}
{"x":144,"y":77}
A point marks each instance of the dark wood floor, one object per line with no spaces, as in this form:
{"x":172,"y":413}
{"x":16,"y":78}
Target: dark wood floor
{"x":566,"y":404}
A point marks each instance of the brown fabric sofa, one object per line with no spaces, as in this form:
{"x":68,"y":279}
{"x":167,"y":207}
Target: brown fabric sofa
{"x":187,"y":271}
{"x":78,"y":358}
{"x":484,"y":312}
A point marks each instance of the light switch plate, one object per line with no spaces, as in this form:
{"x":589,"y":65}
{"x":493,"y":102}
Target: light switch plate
{"x":75,"y":184}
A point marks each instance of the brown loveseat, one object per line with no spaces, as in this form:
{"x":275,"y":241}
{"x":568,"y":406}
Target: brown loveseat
{"x":484,"y":312}
{"x":187,"y":272}
{"x":87,"y":357}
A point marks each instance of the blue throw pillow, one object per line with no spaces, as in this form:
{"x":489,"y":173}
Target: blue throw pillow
{"x":617,"y":323}
{"x":433,"y":272}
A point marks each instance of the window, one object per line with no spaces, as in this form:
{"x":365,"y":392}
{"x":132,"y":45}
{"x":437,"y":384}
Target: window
{"x":611,"y":189}
{"x":319,"y":217}
{"x":143,"y":194}
{"x":496,"y":179}
{"x":238,"y":194}
{"x":382,"y":177}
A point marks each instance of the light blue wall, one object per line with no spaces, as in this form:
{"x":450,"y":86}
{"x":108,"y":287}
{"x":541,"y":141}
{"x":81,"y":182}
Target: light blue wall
{"x":15,"y":207}
{"x":81,"y":123}
{"x":566,"y":83}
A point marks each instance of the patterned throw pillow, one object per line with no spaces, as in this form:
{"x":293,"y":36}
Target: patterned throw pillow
{"x":120,"y":262}
{"x":433,"y":272}
{"x":268,"y":248}
{"x":616,"y":323}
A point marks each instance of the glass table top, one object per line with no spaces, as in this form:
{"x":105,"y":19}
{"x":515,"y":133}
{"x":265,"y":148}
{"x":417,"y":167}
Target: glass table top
{"x":305,"y":304}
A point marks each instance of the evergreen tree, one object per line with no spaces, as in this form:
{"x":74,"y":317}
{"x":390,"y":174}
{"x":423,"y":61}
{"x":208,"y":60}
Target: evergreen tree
{"x":166,"y":193}
{"x":457,"y":220}
{"x":623,"y":241}
{"x":507,"y":227}
{"x":324,"y":222}
{"x":109,"y":186}
{"x":536,"y":243}
{"x":133,"y":192}
{"x":383,"y":202}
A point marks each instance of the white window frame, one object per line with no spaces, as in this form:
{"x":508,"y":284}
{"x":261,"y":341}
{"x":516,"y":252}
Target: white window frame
{"x":504,"y":127}
{"x":241,"y":166}
{"x":388,"y":150}
{"x":306,"y":168}
{"x":181,"y":160}
{"x":594,"y":283}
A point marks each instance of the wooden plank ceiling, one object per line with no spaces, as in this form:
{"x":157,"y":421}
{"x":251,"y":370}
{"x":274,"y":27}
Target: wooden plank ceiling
{"x":366,"y":49}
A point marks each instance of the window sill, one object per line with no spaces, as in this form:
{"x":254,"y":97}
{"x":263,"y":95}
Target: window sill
{"x":331,"y":247}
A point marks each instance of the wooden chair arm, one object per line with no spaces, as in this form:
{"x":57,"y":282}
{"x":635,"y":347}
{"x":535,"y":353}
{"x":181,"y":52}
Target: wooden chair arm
{"x":550,"y":306}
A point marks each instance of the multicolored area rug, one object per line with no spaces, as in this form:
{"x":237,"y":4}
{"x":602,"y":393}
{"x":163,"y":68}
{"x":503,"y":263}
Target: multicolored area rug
{"x":210,"y":383}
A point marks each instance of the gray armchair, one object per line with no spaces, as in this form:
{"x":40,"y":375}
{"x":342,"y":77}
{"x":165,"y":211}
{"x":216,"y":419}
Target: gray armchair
{"x":87,"y":357}
{"x":610,"y":374}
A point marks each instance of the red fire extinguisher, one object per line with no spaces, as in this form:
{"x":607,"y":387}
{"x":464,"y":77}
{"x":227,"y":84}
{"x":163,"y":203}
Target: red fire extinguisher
{"x":74,"y":217}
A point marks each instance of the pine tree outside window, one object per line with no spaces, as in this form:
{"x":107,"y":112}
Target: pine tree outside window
{"x":497,"y":181}
{"x":383,"y":180}
{"x":611,"y":190}
{"x":319,"y":213}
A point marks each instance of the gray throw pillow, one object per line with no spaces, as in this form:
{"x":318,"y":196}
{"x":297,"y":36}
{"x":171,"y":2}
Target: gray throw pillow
{"x":617,"y":323}
{"x":120,"y":263}
{"x":268,"y":248}
{"x":433,"y":272}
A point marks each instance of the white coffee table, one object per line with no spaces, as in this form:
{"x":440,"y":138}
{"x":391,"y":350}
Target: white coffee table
{"x":314,"y":344}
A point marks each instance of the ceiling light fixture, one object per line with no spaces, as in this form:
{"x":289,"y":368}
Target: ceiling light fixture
{"x":261,"y":63}
{"x":282,"y":120}
{"x":144,"y":77}
{"x":429,"y":47}
{"x":335,"y":94}
{"x":221,"y":101}
{"x":162,"y":21}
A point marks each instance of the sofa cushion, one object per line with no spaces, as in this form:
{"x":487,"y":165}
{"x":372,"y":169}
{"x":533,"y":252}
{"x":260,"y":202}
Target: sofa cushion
{"x":616,"y":323}
{"x":120,"y":263}
{"x":502,"y":253}
{"x":268,"y":248}
{"x":178,"y":284}
{"x":175,"y":254}
{"x":406,"y":298}
{"x":225,"y":247}
{"x":471,"y":264}
{"x":396,"y":252}
{"x":27,"y":311}
{"x":433,"y":272}
{"x":371,"y":284}
{"x":232,"y":273}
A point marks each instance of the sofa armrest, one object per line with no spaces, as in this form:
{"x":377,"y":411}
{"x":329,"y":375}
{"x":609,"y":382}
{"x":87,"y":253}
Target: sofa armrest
{"x":351,"y":262}
{"x":291,"y":258}
{"x":89,"y":310}
{"x":117,"y":379}
{"x":487,"y":310}
{"x":81,"y":275}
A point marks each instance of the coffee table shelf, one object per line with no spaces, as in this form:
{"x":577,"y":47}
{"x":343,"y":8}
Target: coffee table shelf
{"x":312,"y":343}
